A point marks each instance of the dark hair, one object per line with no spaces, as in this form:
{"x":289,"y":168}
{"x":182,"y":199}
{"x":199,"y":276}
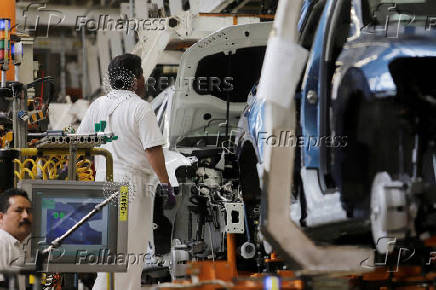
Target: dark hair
{"x":123,"y":70}
{"x":5,"y":195}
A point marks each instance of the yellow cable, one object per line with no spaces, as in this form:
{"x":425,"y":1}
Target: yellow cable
{"x":50,"y":167}
{"x":84,"y":171}
{"x":29,"y":172}
{"x":51,"y":172}
{"x":34,"y":168}
{"x":18,"y":173}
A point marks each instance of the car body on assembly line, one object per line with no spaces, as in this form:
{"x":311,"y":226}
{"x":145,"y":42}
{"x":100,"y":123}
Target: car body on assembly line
{"x":198,"y":116}
{"x":365,"y":139}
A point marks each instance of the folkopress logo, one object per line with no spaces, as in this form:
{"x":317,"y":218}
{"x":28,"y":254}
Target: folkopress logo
{"x":106,"y":22}
{"x":34,"y":13}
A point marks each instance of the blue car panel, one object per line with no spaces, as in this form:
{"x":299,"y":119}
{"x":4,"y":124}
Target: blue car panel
{"x":256,"y":125}
{"x":372,"y":54}
{"x":309,"y":112}
{"x":369,"y":54}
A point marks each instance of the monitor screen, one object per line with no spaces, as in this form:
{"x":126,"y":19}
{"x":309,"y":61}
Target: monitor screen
{"x":59,"y":214}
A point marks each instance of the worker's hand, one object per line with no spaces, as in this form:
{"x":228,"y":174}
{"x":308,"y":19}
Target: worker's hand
{"x":167,"y":191}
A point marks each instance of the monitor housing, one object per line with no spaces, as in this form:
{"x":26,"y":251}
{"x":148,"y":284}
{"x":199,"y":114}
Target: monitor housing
{"x":99,"y":245}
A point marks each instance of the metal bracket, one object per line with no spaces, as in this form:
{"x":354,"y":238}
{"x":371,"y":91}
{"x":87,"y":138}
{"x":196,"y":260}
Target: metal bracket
{"x":72,"y":162}
{"x":235,"y":218}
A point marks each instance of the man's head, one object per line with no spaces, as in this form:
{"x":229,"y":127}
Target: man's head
{"x":125,"y":73}
{"x":15,"y":213}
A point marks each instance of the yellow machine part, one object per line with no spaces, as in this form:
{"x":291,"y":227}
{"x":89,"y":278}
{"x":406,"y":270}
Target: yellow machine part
{"x":36,"y":116}
{"x":7,"y":139}
{"x":84,"y":170}
{"x":50,"y":168}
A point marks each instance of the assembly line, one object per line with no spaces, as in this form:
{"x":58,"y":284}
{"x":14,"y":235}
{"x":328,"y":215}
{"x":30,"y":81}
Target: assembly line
{"x":219,"y":144}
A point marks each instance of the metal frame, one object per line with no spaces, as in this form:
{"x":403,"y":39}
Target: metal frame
{"x":185,"y":105}
{"x":231,"y":227}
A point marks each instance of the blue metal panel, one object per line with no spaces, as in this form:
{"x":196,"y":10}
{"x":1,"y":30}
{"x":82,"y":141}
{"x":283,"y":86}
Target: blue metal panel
{"x":376,"y":64}
{"x":310,"y":113}
{"x":304,"y":13}
{"x":256,"y":124}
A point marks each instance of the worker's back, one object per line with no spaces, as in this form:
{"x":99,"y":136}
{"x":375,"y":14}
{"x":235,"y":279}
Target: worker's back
{"x":130,"y":118}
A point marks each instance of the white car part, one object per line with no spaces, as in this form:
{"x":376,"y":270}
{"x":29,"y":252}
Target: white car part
{"x":389,"y":211}
{"x":248,"y":250}
{"x":187,"y":108}
{"x":321,"y":208}
{"x":280,"y":114}
{"x":174,"y":160}
{"x":235,"y":218}
{"x":179,"y":260}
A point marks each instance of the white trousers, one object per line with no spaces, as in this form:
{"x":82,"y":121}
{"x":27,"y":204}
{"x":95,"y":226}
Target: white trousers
{"x":140,"y":231}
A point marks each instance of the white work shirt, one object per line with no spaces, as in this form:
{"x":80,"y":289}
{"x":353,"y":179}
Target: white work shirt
{"x":132,"y":120}
{"x":12,"y":255}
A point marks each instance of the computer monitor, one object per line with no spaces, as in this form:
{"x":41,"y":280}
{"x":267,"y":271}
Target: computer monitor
{"x":99,"y":245}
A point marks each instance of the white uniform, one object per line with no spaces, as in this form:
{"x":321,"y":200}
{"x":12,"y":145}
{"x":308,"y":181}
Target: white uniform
{"x":12,"y":255}
{"x":133,"y":120}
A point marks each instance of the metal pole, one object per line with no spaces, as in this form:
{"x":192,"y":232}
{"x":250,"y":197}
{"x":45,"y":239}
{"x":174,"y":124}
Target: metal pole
{"x":19,"y":126}
{"x":72,"y":163}
{"x":17,"y":73}
{"x":37,"y":284}
{"x":3,"y":79}
{"x":19,"y":104}
{"x":84,"y":66}
{"x":132,"y":8}
{"x":63,"y":77}
{"x":5,"y":65}
{"x":15,"y":124}
{"x":11,"y":282}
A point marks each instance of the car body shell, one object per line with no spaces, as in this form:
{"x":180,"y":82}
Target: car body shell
{"x":362,"y":65}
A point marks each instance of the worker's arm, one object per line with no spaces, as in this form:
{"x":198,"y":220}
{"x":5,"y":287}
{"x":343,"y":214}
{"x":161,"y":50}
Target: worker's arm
{"x":5,"y":252}
{"x":156,"y":159}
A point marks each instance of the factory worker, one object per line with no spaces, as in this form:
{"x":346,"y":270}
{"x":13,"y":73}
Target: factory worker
{"x":15,"y":227}
{"x":137,"y":154}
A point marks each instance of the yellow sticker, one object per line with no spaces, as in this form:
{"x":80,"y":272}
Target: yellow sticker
{"x":124,"y":203}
